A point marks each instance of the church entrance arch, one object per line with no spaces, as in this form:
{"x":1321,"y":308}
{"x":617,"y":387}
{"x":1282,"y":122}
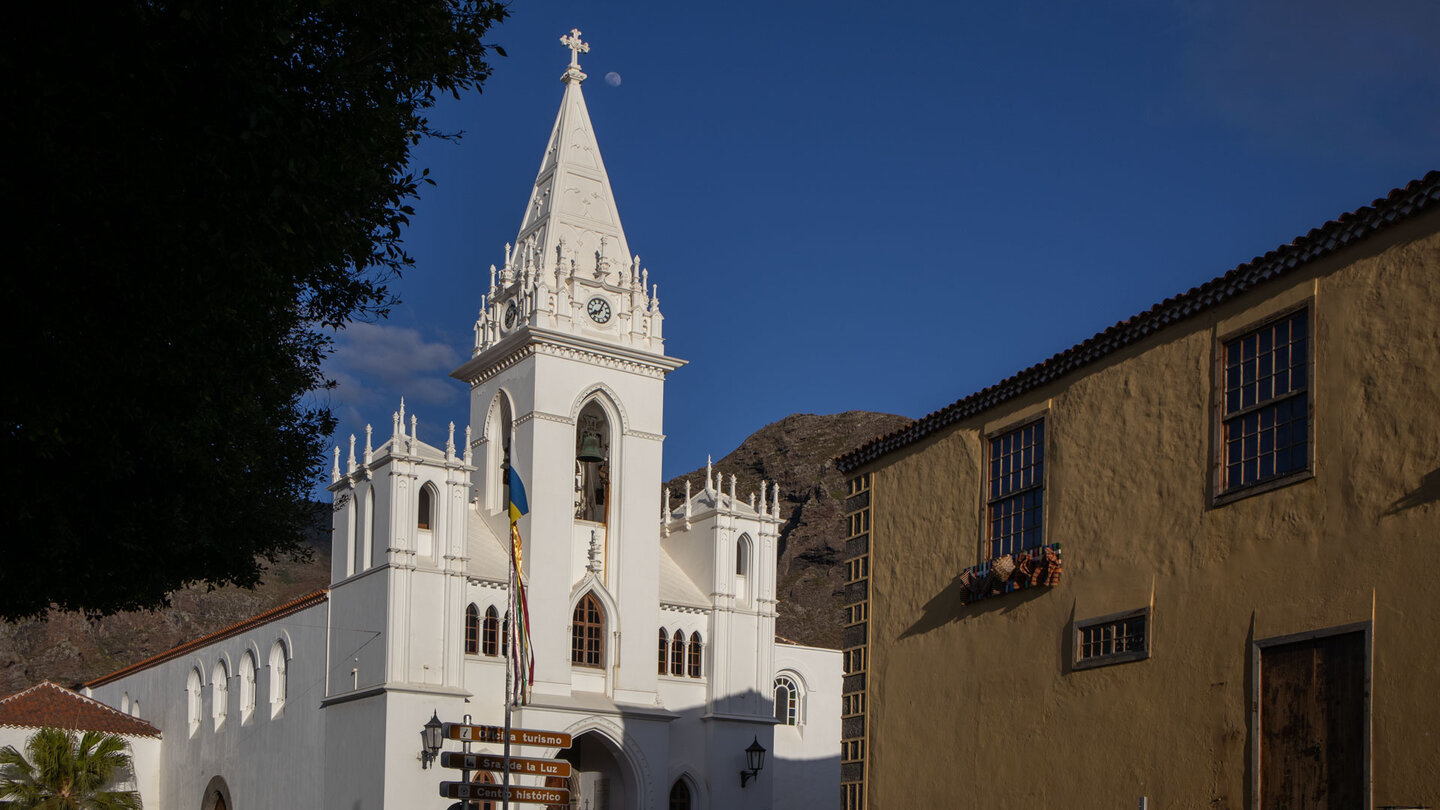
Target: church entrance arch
{"x":216,"y":795}
{"x":602,"y":776}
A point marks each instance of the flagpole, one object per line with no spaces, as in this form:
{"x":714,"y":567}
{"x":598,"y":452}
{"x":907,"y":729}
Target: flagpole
{"x":509,"y":688}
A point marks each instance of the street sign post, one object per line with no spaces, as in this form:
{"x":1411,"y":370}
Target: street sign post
{"x":496,"y":793}
{"x":496,"y":734}
{"x":490,"y":762}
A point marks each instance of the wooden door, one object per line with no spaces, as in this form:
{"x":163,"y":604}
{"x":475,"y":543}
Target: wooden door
{"x":1313,"y":718}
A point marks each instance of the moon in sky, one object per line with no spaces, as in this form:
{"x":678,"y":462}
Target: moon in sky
{"x":612,"y":78}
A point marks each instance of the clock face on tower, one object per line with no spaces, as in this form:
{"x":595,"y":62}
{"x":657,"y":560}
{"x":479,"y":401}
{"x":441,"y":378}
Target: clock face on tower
{"x":510,"y":315}
{"x":598,"y":309}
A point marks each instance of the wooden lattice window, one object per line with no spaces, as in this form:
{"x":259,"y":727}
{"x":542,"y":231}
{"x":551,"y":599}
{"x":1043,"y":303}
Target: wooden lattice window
{"x":680,"y":796}
{"x":1267,"y":407}
{"x":587,"y":633}
{"x":490,"y":640}
{"x":1016,"y":503}
{"x":664,"y":650}
{"x":425,"y":513}
{"x":472,"y":630}
{"x":677,"y":654}
{"x":1112,"y":639}
{"x":695,"y":647}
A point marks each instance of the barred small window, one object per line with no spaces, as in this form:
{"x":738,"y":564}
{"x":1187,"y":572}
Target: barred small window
{"x":1112,"y":639}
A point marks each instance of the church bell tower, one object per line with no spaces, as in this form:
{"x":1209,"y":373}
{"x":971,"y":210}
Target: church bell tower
{"x":567,"y":389}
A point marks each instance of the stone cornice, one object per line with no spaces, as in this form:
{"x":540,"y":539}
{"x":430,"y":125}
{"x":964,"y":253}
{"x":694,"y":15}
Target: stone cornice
{"x":530,"y":340}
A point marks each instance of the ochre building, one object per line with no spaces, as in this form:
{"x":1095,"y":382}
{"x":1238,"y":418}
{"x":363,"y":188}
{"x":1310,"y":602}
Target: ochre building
{"x":1191,"y":562}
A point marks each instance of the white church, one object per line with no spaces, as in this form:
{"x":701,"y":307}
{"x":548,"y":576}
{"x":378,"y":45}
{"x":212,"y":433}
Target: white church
{"x":652,"y":613}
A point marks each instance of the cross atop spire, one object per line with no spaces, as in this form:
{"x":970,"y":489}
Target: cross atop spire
{"x":572,"y":41}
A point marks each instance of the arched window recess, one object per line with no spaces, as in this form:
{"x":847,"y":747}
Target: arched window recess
{"x":592,"y":464}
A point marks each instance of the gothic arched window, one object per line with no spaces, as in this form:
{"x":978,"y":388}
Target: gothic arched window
{"x":787,"y":701}
{"x":192,"y":700}
{"x":677,"y":654}
{"x":278,"y":678}
{"x":664,"y":650}
{"x":472,"y":630}
{"x":425,"y":518}
{"x":592,"y":464}
{"x":695,"y":670}
{"x":505,"y":635}
{"x":680,"y":795}
{"x":741,"y":563}
{"x":587,"y":633}
{"x":490,"y":641}
{"x":247,"y":686}
{"x":219,"y":693}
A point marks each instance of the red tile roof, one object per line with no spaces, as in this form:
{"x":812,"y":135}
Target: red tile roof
{"x":1417,"y":197}
{"x":46,"y":704}
{"x":286,"y":609}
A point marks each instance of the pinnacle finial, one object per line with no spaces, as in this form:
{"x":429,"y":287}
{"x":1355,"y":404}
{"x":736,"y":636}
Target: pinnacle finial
{"x":572,"y":41}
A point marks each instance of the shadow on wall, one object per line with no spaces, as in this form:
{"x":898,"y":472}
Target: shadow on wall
{"x":947,"y":607}
{"x":1427,"y":492}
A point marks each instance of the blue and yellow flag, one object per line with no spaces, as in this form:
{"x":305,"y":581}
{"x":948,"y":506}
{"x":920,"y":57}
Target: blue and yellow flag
{"x":522,"y":660}
{"x":518,"y":505}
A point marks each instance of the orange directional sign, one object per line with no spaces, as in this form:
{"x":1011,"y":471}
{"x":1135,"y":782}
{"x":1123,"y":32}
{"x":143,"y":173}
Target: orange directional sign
{"x":496,"y":734}
{"x":496,"y":793}
{"x":491,"y":762}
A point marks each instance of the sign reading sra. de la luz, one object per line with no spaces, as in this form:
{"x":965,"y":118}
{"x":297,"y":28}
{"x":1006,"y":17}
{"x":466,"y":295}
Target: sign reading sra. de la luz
{"x":496,"y":734}
{"x":491,"y":762}
{"x":496,"y":793}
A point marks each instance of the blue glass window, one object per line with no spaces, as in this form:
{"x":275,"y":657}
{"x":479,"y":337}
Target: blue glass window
{"x":1017,"y":489}
{"x":1267,"y":406}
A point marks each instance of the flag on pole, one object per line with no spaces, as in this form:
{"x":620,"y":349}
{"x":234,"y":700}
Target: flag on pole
{"x":522,"y":659}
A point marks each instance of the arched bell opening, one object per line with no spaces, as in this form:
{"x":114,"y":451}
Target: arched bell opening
{"x":593,"y":481}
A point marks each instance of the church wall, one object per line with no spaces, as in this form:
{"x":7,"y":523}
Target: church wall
{"x":806,"y":757}
{"x":961,"y":697}
{"x":266,"y":761}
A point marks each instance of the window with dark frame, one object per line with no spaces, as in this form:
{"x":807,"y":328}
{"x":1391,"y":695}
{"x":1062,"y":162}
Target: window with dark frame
{"x":472,"y":630}
{"x":587,"y":633}
{"x":1016,"y":504}
{"x":664,"y":650}
{"x":490,"y":639}
{"x":1266,"y":403}
{"x":677,"y":654}
{"x":423,"y":517}
{"x":694,"y":652}
{"x":787,"y":701}
{"x":1112,"y":639}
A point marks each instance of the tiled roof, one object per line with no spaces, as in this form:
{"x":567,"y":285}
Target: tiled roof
{"x":1399,"y":205}
{"x":47,"y":705}
{"x":286,"y":609}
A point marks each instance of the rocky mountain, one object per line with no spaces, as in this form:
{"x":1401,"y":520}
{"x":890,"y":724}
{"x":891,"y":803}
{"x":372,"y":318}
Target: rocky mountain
{"x":796,"y":452}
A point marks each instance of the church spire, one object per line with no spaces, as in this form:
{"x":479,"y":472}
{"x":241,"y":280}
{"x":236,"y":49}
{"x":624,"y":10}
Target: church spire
{"x":572,"y":200}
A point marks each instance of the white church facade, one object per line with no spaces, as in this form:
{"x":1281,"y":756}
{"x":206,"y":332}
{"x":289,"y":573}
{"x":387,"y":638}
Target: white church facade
{"x":652,"y":614}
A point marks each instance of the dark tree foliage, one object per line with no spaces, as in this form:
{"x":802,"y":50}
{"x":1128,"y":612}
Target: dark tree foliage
{"x":197,"y":190}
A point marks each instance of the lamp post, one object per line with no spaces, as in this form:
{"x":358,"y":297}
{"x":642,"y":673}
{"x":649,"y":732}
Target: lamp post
{"x":430,"y":740}
{"x":755,"y":758}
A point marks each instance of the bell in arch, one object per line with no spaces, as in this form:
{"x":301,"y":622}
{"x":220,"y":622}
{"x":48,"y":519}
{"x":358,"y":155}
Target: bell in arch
{"x":590,"y":449}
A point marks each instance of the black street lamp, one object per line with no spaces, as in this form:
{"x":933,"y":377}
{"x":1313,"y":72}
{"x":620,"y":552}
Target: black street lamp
{"x":755,"y":758}
{"x":430,"y":740}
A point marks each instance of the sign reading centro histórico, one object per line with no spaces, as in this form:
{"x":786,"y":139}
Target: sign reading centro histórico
{"x":496,"y":793}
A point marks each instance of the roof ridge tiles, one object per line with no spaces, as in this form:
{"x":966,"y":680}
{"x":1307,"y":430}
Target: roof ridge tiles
{"x":280,"y":611}
{"x":1400,"y":204}
{"x":37,"y":707}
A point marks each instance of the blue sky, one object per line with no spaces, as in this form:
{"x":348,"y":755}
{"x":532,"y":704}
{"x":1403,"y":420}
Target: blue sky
{"x":849,"y":206}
